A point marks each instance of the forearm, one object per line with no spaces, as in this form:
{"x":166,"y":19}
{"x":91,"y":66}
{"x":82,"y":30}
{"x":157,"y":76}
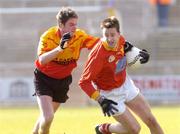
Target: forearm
{"x":89,"y":90}
{"x":49,"y":56}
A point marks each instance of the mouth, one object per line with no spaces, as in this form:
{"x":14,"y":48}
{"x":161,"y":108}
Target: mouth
{"x":111,"y":43}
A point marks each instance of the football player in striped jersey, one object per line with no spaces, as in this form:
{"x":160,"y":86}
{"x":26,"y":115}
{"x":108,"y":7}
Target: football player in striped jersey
{"x":58,"y":51}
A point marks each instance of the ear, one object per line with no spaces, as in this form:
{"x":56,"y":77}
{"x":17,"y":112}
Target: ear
{"x":61,"y":25}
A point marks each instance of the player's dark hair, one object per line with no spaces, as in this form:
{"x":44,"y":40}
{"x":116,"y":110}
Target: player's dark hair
{"x":65,"y":14}
{"x":110,"y":22}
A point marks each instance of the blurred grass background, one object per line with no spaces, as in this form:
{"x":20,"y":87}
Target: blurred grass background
{"x":79,"y":120}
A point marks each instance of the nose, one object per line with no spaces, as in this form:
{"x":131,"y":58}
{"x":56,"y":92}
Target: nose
{"x":109,"y":39}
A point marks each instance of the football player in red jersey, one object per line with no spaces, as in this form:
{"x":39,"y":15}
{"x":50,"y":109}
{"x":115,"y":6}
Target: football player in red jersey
{"x":58,"y":51}
{"x":105,"y":80}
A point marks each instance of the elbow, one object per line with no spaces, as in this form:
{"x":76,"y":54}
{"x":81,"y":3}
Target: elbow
{"x":42,"y":61}
{"x":80,"y":83}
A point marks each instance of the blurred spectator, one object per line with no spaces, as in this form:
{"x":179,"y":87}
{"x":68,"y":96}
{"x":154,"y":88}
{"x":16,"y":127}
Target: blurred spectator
{"x":110,"y":8}
{"x":163,"y":7}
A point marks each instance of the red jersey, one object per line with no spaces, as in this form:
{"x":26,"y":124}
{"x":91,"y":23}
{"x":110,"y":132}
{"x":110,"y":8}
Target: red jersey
{"x":65,"y":62}
{"x":106,"y":67}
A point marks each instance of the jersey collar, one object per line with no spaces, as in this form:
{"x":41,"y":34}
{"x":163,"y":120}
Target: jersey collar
{"x":109,"y":48}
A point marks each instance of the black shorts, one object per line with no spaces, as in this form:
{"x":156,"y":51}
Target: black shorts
{"x":56,"y":88}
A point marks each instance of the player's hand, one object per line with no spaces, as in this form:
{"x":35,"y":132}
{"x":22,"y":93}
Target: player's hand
{"x":107,"y":106}
{"x":65,"y":38}
{"x":127,"y":47}
{"x":144,"y":56}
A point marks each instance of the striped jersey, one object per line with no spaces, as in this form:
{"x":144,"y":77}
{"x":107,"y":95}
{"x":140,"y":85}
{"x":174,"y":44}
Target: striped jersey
{"x":65,"y":62}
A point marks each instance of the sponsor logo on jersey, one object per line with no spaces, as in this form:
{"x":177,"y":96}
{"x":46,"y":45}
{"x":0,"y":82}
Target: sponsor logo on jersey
{"x":111,"y":58}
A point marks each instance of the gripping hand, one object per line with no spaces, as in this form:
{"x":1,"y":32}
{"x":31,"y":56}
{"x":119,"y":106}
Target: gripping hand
{"x":144,"y":56}
{"x":107,"y":106}
{"x":65,"y":38}
{"x":127,"y":47}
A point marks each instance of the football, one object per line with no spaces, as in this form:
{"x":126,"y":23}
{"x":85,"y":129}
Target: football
{"x":133,"y":57}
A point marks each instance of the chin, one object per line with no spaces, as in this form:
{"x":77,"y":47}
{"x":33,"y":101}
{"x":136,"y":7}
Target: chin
{"x":111,"y":44}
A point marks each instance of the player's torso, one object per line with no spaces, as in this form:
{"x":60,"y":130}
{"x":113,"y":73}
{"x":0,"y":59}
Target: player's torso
{"x":65,"y":61}
{"x":71,"y":53}
{"x":114,"y":63}
{"x":113,"y":71}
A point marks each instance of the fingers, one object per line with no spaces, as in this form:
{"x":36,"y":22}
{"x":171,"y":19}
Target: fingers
{"x":64,"y":39}
{"x":142,"y":61}
{"x":110,"y":111}
{"x":109,"y":114}
{"x":107,"y":106}
{"x":104,"y":113}
{"x":114,"y":108}
{"x":144,"y":50}
{"x":113,"y":102}
{"x":144,"y":55}
{"x":66,"y":36}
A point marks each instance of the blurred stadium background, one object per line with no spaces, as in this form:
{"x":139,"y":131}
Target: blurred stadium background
{"x":23,"y":21}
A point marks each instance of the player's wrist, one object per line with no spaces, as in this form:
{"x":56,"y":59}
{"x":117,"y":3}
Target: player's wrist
{"x":100,"y":99}
{"x":59,"y":49}
{"x":95,"y":95}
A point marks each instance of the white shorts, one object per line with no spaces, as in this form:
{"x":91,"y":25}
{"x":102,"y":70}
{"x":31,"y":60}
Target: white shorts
{"x":125,"y":93}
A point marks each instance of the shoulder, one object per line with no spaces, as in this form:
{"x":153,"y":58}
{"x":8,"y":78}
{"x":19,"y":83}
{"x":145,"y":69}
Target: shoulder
{"x":122,"y":40}
{"x":50,"y":32}
{"x":99,"y":49}
{"x":81,"y":33}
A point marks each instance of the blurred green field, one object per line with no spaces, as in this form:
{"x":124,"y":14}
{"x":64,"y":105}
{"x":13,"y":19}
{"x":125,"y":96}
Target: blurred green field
{"x":78,"y":120}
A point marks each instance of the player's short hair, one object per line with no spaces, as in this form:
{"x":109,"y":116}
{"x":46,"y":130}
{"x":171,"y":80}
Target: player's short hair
{"x":65,"y":14}
{"x":110,"y":22}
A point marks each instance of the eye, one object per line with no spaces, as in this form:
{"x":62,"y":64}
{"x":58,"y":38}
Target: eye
{"x":72,"y":24}
{"x":112,"y":35}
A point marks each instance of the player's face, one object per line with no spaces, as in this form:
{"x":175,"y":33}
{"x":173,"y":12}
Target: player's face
{"x":111,"y":35}
{"x":69,"y":26}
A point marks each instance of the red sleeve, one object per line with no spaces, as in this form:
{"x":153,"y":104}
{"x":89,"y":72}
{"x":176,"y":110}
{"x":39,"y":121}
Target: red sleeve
{"x":122,"y":40}
{"x":92,"y":68}
{"x":90,"y":42}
